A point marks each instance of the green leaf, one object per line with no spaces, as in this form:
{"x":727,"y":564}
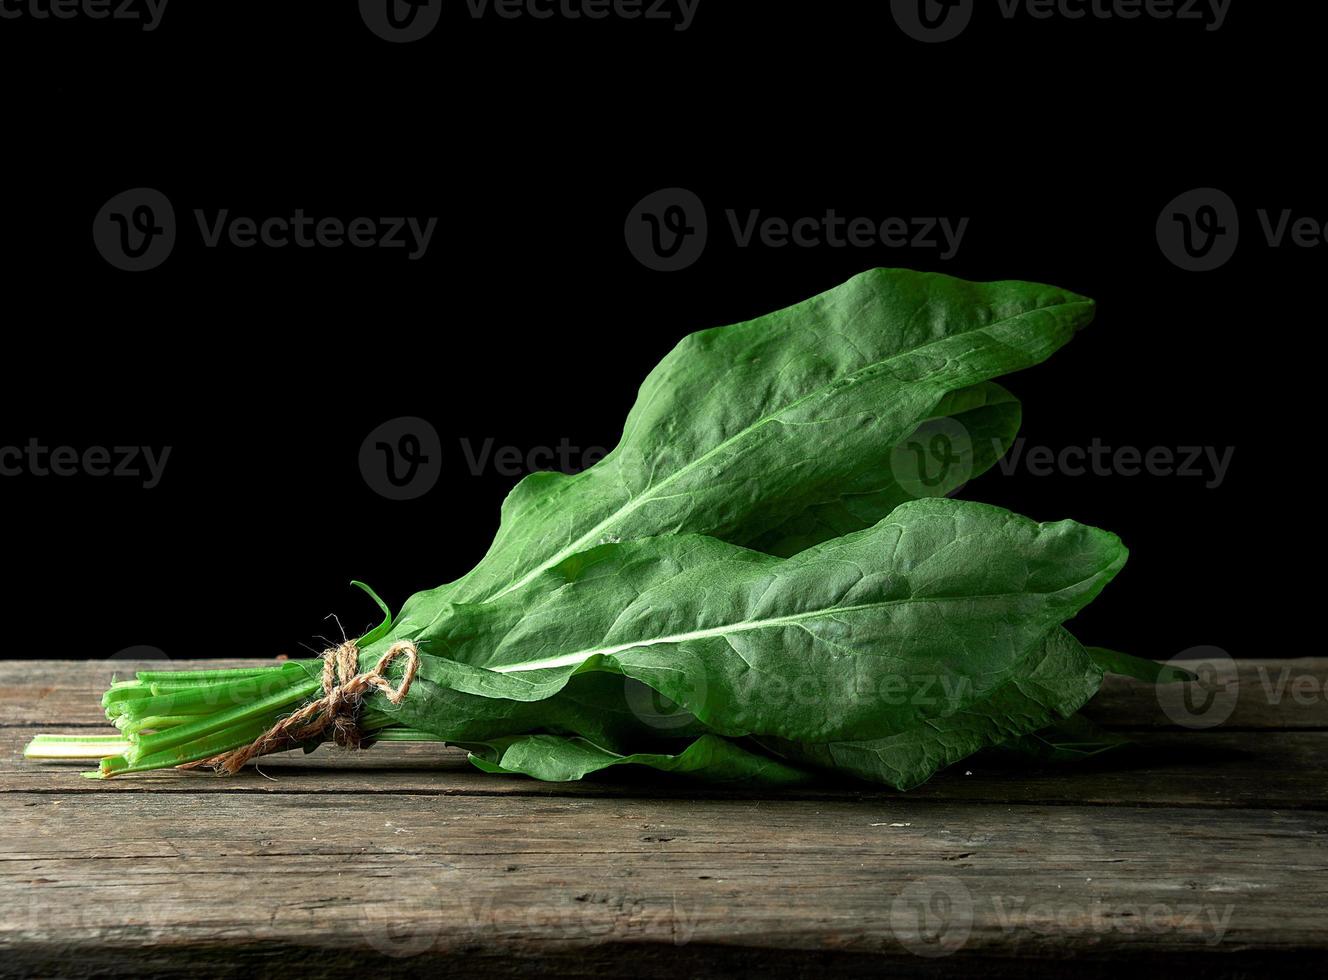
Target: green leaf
{"x":1115,"y":662}
{"x":962,"y":438}
{"x":1053,"y":683}
{"x":832,"y":644}
{"x":556,"y":759}
{"x":743,"y":428}
{"x":1032,"y":714}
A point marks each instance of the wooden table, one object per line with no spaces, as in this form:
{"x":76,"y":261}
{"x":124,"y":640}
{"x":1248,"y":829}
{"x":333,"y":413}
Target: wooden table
{"x":1204,"y":852}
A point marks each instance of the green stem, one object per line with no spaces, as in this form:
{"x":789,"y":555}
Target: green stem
{"x":219,"y":722}
{"x":405,"y":735}
{"x":74,"y":746}
{"x":193,"y":677}
{"x":204,"y":748}
{"x":153,"y":723}
{"x":206,"y":700}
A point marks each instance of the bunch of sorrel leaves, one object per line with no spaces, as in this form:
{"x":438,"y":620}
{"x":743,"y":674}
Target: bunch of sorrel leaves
{"x":765,"y":579}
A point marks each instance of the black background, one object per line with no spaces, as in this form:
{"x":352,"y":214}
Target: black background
{"x":529,"y":322}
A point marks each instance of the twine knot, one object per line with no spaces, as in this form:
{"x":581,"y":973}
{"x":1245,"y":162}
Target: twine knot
{"x":344,"y":689}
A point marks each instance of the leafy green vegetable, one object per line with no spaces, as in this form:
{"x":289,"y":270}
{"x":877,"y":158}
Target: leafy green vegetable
{"x":763,"y":581}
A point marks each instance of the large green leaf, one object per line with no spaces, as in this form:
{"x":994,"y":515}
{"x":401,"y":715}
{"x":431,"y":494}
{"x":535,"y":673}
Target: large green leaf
{"x":741,"y":429}
{"x":1051,"y":684}
{"x":858,"y":637}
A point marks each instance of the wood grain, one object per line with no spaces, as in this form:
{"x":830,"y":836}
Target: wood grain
{"x":449,"y":878}
{"x":1204,"y":852}
{"x":1179,"y":769}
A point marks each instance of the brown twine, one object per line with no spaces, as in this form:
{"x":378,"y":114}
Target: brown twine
{"x":338,"y":708}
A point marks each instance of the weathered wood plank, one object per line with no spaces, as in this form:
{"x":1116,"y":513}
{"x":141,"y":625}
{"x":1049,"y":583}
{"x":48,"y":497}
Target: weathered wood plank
{"x":1272,"y":694}
{"x":1182,"y":769}
{"x":146,"y":883}
{"x":1247,"y":694}
{"x":403,"y":858}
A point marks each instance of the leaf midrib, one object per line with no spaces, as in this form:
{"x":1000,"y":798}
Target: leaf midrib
{"x":632,"y":505}
{"x":725,"y":629}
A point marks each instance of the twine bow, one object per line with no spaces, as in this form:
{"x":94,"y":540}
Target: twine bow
{"x":338,"y":709}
